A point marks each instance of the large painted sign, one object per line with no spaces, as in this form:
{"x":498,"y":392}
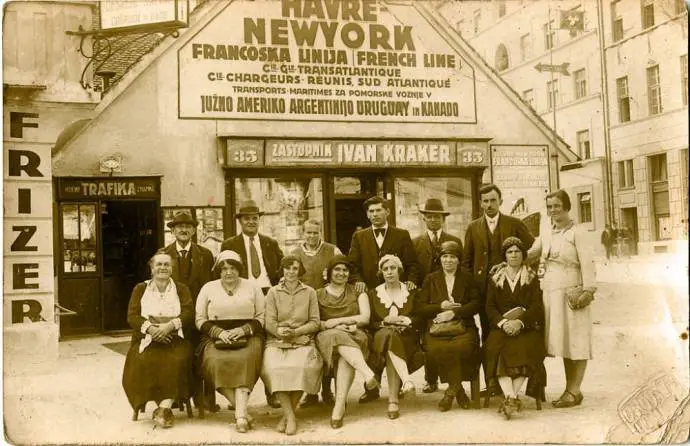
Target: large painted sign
{"x":323,"y":60}
{"x":140,"y":15}
{"x":522,"y":173}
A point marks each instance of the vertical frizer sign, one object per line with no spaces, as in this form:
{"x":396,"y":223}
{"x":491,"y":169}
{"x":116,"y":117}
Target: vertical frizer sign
{"x":322,"y":60}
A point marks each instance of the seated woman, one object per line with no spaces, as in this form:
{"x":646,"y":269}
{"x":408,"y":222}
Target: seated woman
{"x":158,"y":365}
{"x":515,"y":347}
{"x":292,"y":363}
{"x":449,"y":295}
{"x":395,"y":330}
{"x":231,"y":310}
{"x":343,"y":345}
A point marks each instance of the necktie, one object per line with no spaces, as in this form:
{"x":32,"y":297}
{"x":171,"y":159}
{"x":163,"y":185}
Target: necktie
{"x":183,"y":253}
{"x":492,"y":225}
{"x":254,"y":259}
{"x":434,"y":240}
{"x":184,"y":264}
{"x":378,"y":231}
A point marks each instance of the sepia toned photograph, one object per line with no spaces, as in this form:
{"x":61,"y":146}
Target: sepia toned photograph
{"x":345,"y":222}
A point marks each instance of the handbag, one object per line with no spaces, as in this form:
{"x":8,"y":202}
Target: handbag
{"x":578,"y":298}
{"x":449,"y":328}
{"x":234,"y":345}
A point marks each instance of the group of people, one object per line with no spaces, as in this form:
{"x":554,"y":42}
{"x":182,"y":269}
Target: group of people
{"x":618,"y":242}
{"x":393,"y":303}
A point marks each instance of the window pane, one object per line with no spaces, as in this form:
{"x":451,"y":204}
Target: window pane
{"x":168,"y":215}
{"x":209,"y":233}
{"x":629,"y":173}
{"x":70,"y":238}
{"x":286,"y":202}
{"x":412,"y":193}
{"x":87,"y":226}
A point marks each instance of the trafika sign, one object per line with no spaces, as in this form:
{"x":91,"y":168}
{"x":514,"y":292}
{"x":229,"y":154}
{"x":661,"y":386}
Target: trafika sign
{"x":324,"y":60}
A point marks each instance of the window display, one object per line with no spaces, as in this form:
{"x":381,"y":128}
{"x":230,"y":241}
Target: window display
{"x":79,"y":238}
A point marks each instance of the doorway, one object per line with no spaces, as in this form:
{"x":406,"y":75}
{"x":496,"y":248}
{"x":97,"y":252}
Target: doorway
{"x":130,"y":237}
{"x":350,"y":192}
{"x":630,"y":220}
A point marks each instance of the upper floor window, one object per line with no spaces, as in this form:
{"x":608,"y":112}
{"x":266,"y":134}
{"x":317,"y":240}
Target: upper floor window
{"x":654,"y":90}
{"x":502,"y":62}
{"x":658,"y":169}
{"x":583,"y":145}
{"x":501,"y":8}
{"x":525,"y":46}
{"x":476,"y":19}
{"x":585,"y":204}
{"x":528,"y":96}
{"x":626,"y":177}
{"x":684,"y":78}
{"x":647,"y":13}
{"x":549,"y":35}
{"x":681,"y":7}
{"x":617,"y":22}
{"x":552,"y":94}
{"x":623,"y":99}
{"x":580,"y":77}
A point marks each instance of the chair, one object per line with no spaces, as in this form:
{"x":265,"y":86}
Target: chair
{"x":180,"y":404}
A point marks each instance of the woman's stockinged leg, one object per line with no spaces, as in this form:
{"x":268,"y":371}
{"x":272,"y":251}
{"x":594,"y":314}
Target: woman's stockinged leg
{"x":344,"y":376}
{"x":577,"y":374}
{"x":393,"y":381}
{"x":288,"y":411}
{"x":241,"y":402}
{"x":400,"y":366}
{"x":517,"y":384}
{"x":355,"y":358}
{"x":506,"y":383}
{"x":166,"y":403}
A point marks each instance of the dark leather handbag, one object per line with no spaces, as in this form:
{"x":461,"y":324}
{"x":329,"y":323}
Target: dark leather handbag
{"x":447,"y":329}
{"x":234,"y":345}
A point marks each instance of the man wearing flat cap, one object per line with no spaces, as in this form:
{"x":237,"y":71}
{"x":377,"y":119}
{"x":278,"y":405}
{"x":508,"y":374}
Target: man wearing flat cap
{"x":191,"y":262}
{"x":427,"y":246}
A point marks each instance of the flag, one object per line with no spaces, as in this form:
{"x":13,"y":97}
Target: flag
{"x":573,"y":21}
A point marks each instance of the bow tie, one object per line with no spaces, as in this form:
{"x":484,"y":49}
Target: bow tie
{"x":379,"y":231}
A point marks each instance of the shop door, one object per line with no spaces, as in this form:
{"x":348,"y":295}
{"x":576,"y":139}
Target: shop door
{"x":350,"y":193}
{"x":630,"y":220}
{"x":130,"y":237}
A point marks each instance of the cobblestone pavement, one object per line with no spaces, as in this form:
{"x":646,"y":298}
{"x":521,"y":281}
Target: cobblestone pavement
{"x":638,"y":335}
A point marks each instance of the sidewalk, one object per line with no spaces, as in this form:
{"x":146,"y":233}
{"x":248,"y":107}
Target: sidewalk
{"x":636,"y":337}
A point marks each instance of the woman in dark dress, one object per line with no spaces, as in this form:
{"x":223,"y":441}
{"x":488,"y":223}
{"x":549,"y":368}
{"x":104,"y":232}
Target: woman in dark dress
{"x":342,"y":343}
{"x":395,"y":328}
{"x":449,"y":295}
{"x":158,"y":364}
{"x":515,"y":347}
{"x":231,"y":309}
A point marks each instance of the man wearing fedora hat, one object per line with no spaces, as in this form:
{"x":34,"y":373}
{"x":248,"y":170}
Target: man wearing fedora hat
{"x":427,"y":246}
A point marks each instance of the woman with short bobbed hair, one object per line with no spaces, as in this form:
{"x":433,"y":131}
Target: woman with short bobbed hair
{"x":292,"y":364}
{"x":395,"y":328}
{"x":341,"y":341}
{"x":230,"y":316}
{"x":449,"y":300}
{"x":569,"y":285}
{"x":514,"y":350}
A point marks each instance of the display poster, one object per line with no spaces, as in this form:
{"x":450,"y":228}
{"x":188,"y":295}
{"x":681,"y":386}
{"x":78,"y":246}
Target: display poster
{"x":522,"y":173}
{"x":322,"y":61}
{"x":118,"y":15}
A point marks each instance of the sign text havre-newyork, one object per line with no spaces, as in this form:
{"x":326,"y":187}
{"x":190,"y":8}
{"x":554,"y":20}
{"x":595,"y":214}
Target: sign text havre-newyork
{"x":321,"y":60}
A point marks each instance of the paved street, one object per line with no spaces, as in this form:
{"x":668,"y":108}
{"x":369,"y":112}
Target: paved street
{"x":638,"y":335}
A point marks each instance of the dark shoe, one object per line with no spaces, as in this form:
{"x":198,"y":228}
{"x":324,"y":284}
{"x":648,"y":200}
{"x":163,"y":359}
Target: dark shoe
{"x":273,"y":401}
{"x":158,"y":418}
{"x":336,"y":424}
{"x":369,"y":396}
{"x":446,"y":403}
{"x":372,"y":384}
{"x":327,"y":398}
{"x":393,"y":411}
{"x":430,"y":387}
{"x":163,"y":417}
{"x":309,"y":401}
{"x":462,"y":399}
{"x":568,"y":399}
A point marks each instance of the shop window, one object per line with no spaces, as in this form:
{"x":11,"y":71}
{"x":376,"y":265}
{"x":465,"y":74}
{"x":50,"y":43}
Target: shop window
{"x":552,"y":94}
{"x":654,"y":90}
{"x":617,"y":25}
{"x":209,"y":232}
{"x":502,"y":61}
{"x":528,"y":96}
{"x":658,"y":170}
{"x":412,"y":193}
{"x":79,"y":238}
{"x":287,"y":202}
{"x":626,"y":176}
{"x":583,"y":144}
{"x":647,"y":13}
{"x":525,"y":47}
{"x":580,"y":77}
{"x":623,"y":99}
{"x":684,"y":78}
{"x":549,"y":35}
{"x":585,"y":204}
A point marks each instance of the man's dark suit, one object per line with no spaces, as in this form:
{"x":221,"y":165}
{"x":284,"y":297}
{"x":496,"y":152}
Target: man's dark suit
{"x":365,"y":254}
{"x":270,"y":252}
{"x":483,"y":250}
{"x":201,"y":259}
{"x":427,"y":264}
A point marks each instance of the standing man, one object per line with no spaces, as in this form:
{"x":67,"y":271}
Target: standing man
{"x":607,"y":239}
{"x":483,"y":241}
{"x":260,"y":253}
{"x":427,"y":247}
{"x":315,"y":255}
{"x":369,"y":245}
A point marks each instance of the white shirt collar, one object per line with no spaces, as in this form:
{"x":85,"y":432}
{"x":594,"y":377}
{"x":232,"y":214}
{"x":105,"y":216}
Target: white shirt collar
{"x":311,"y":252}
{"x":513,"y":282}
{"x":431,"y":234}
{"x":247,"y":239}
{"x":384,"y":227}
{"x":492,"y":220}
{"x":387,"y":300}
{"x":182,"y":248}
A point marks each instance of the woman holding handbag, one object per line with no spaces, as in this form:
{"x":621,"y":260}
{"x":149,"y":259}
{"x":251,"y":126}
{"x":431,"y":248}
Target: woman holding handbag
{"x":449,"y":301}
{"x":394,"y":325}
{"x":569,"y":287}
{"x":514,"y":349}
{"x":292,"y":364}
{"x":230,"y":315}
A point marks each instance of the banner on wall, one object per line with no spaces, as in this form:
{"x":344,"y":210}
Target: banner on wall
{"x":323,"y":61}
{"x":522,"y":173}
